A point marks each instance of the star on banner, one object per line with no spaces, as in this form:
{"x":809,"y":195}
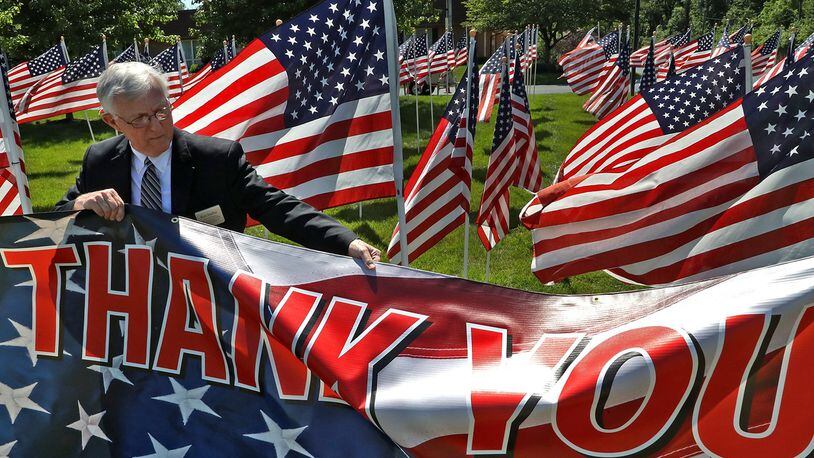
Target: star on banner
{"x":25,"y":340}
{"x":188,"y":401}
{"x":283,"y":440}
{"x":57,"y":230}
{"x":164,"y":452}
{"x":110,"y":373}
{"x":5,"y":449}
{"x":89,"y":426}
{"x":18,"y":399}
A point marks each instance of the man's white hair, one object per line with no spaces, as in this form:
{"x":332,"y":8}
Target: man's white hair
{"x":130,"y":80}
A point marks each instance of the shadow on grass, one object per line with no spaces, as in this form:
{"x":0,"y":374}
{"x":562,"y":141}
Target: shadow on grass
{"x":371,"y":211}
{"x":51,"y":174}
{"x":368,"y":234}
{"x":51,"y":133}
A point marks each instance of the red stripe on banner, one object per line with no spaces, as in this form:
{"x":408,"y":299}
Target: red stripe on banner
{"x":333,"y":166}
{"x":338,"y":130}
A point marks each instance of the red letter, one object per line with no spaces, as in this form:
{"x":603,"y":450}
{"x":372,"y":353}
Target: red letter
{"x":502,"y":387}
{"x":250,"y":333}
{"x":717,"y":416}
{"x":133,"y":304}
{"x":673,"y":364}
{"x":333,"y":350}
{"x":190,"y":286}
{"x":44,"y":264}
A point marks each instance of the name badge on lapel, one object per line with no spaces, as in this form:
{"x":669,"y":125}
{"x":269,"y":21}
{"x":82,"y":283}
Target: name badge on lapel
{"x":211,"y":215}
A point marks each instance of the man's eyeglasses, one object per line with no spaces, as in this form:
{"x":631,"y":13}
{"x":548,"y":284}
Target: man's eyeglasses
{"x":143,"y":121}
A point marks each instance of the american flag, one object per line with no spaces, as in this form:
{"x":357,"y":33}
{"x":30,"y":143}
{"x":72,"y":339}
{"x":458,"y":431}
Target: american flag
{"x":462,"y":51}
{"x":654,"y":116}
{"x":535,"y":31}
{"x":731,"y":194}
{"x":26,"y":74}
{"x":66,"y":90}
{"x":415,"y":61}
{"x":309,"y":101}
{"x":667,"y":69}
{"x":490,"y":83}
{"x":611,"y":89}
{"x":437,"y":195}
{"x":701,"y":54}
{"x":765,"y":55}
{"x":170,"y":63}
{"x":683,"y":47}
{"x":130,"y":54}
{"x":14,"y":192}
{"x":610,"y":44}
{"x":790,"y":58}
{"x":737,"y":37}
{"x":219,"y":59}
{"x":639,"y":57}
{"x":724,"y":44}
{"x":582,"y":66}
{"x":523,"y":43}
{"x":403,"y":47}
{"x":649,"y":73}
{"x":514,"y":160}
{"x":441,"y":55}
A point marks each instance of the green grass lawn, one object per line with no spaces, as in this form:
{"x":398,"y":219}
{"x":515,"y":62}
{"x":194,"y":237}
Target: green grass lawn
{"x":54,"y":152}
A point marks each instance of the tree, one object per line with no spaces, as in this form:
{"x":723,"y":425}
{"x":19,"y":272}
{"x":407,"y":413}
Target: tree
{"x":557,"y":18}
{"x":37,"y":25}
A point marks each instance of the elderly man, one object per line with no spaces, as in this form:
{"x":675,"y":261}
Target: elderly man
{"x":157,"y":166}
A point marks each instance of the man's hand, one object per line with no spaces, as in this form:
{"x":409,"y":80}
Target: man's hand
{"x":105,"y":203}
{"x":368,"y":254}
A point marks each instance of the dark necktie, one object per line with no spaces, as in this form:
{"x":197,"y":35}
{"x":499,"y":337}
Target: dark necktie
{"x":150,"y":187}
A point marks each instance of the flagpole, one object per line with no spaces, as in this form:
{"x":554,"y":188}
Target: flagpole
{"x":398,"y":161}
{"x":234,"y":47}
{"x":488,"y":258}
{"x":415,"y":92}
{"x":469,"y":61}
{"x":135,"y":49}
{"x":179,"y":51}
{"x":635,"y":45}
{"x":429,"y":78}
{"x":147,"y":46}
{"x":747,"y":62}
{"x":14,"y":153}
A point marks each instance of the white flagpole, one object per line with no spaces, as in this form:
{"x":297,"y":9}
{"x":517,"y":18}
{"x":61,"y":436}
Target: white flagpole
{"x":488,"y":258}
{"x":415,"y":92}
{"x":181,"y":58}
{"x":234,"y":47}
{"x":147,"y":46}
{"x":747,"y":61}
{"x":135,"y":49}
{"x":15,"y":154}
{"x":429,"y":80}
{"x":64,"y":48}
{"x":398,"y":161}
{"x":225,"y":51}
{"x":469,"y":61}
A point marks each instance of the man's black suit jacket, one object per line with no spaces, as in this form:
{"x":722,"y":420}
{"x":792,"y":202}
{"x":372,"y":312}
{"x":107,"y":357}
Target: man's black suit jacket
{"x":206,"y":172}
